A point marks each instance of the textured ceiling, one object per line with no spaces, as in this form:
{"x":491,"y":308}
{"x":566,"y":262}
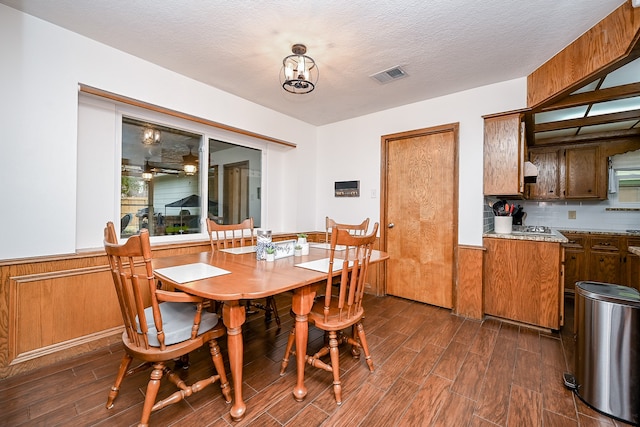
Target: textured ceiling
{"x":238,"y":45}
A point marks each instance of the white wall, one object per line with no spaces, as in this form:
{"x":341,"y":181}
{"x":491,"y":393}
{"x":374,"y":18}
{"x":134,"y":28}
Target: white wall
{"x":42,"y":66}
{"x":350,"y":150}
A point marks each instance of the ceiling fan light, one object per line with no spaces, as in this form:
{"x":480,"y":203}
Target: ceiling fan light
{"x":189,"y":163}
{"x":147,"y":173}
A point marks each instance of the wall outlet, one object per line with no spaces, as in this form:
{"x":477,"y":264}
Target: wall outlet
{"x":572,"y":214}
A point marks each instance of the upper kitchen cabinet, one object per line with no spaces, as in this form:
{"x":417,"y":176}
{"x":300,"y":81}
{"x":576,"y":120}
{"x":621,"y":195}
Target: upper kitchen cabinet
{"x":550,"y":165}
{"x":504,"y":155}
{"x":573,"y":172}
{"x":584,"y":170}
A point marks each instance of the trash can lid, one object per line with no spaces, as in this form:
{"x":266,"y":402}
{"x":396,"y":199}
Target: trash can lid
{"x":609,"y":292}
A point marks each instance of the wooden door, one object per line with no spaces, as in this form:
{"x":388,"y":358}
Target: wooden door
{"x":236,"y":192}
{"x":419,"y":213}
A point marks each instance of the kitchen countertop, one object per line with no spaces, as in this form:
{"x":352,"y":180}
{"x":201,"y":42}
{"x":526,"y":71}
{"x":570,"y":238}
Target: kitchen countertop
{"x":554,"y":237}
{"x":634,"y":249}
{"x":608,"y":232}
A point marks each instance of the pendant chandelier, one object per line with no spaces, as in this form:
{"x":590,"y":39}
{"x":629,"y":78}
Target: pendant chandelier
{"x":151,"y":136}
{"x":299,"y":72}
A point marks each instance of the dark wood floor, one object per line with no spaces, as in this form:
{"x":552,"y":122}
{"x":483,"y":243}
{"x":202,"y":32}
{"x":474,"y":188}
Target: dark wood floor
{"x":432,"y":368}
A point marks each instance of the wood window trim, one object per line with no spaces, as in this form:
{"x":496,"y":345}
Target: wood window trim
{"x":130,"y":101}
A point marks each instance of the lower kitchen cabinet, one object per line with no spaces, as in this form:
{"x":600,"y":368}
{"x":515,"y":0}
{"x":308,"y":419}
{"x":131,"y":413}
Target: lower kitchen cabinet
{"x":522,"y":281}
{"x":575,"y":262}
{"x":600,"y":258}
{"x":632,"y":262}
{"x":605,"y":259}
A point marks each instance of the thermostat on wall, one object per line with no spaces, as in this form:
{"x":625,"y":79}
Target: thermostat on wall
{"x":347,"y":188}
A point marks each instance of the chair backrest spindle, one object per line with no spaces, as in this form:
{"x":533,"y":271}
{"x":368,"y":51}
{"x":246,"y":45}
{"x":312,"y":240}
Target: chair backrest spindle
{"x":224,"y":236}
{"x":355,"y":229}
{"x":355,"y":262}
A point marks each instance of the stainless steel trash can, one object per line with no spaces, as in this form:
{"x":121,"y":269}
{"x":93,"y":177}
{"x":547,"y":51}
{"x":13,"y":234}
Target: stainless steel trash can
{"x":607,"y":357}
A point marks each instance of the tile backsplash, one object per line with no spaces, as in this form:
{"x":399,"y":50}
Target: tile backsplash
{"x":487,"y":217}
{"x":589,"y":215}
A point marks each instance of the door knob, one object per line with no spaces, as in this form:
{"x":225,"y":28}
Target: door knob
{"x":391,"y":225}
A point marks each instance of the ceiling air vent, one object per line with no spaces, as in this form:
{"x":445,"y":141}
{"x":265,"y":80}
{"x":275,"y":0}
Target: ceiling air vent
{"x":389,"y":75}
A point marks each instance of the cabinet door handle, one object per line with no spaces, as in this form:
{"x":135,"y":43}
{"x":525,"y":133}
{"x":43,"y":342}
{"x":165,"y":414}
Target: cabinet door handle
{"x":601,"y":259}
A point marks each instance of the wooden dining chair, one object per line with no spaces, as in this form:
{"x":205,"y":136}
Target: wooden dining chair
{"x":172,"y":325}
{"x":337,"y":311}
{"x":225,"y":236}
{"x":355,"y":229}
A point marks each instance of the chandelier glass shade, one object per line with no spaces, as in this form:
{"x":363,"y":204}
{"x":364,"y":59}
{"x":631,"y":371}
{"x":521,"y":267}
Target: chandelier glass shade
{"x":299,"y":72}
{"x":190,"y":163}
{"x":151,"y":136}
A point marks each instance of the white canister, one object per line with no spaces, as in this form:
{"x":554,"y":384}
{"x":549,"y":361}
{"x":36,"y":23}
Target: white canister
{"x":305,"y":248}
{"x":503,"y":224}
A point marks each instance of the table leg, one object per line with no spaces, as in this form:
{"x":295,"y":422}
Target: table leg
{"x":301,"y":306}
{"x":233,"y":316}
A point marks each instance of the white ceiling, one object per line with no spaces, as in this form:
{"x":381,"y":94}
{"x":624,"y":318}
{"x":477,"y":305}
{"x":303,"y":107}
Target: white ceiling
{"x":445,"y":46}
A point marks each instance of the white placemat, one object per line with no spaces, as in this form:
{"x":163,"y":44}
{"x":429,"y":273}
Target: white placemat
{"x":240,"y":250}
{"x":327,"y":246}
{"x":190,"y":272}
{"x":322,"y":265}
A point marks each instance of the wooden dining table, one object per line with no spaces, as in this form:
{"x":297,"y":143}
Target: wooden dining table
{"x":249,"y":278}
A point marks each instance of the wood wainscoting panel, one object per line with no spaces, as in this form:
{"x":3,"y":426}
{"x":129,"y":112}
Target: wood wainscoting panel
{"x":469,"y":288}
{"x":50,"y":309}
{"x":57,"y":307}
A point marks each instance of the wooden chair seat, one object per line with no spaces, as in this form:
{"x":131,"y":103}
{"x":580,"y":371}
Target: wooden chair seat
{"x":178,"y":322}
{"x":175,"y":351}
{"x":336,"y":311}
{"x":335,"y":319}
{"x":160,"y":326}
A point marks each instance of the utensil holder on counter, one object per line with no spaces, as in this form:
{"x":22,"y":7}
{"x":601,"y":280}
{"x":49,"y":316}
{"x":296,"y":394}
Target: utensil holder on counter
{"x":503,"y":224}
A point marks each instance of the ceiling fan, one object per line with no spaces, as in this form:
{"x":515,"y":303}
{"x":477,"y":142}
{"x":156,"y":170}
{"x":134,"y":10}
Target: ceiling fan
{"x":171,"y":163}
